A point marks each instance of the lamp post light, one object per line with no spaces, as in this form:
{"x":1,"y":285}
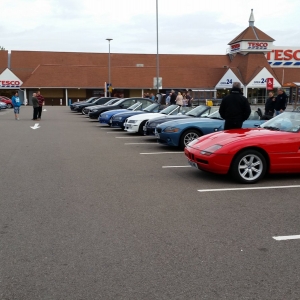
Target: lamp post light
{"x":109,"y":83}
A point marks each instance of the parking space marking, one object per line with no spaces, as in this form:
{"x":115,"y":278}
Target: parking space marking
{"x":149,"y":153}
{"x":187,"y":166}
{"x":251,"y":188}
{"x":128,"y":137}
{"x":286,"y":237}
{"x":138,"y":143}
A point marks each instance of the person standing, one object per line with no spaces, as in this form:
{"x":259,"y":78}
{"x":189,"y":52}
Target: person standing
{"x":35,"y":105}
{"x":179,"y":99}
{"x":234,"y":108}
{"x":16,"y":104}
{"x":168,"y":99}
{"x":41,"y":100}
{"x":189,"y":99}
{"x":173,"y":97}
{"x":280,"y":102}
{"x":270,"y":105}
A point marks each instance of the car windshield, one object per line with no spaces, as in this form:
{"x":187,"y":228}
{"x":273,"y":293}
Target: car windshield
{"x":169,"y":109}
{"x":134,"y":106}
{"x":112,"y":101}
{"x":91,"y":100}
{"x":287,"y":121}
{"x":151,"y":107}
{"x":215,"y":115}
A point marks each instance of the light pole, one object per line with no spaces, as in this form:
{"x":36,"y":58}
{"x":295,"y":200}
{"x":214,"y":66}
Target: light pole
{"x":109,"y":83}
{"x":157,"y":57}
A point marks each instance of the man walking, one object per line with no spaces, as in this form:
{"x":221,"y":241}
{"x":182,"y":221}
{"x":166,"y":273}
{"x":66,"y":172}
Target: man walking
{"x":280,"y":102}
{"x":173,"y":97}
{"x":16,"y":104}
{"x":235,"y":108}
{"x":41,"y":100}
{"x":35,"y":105}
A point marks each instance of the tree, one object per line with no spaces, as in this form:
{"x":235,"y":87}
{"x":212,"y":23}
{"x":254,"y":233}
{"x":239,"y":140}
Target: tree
{"x":2,"y":48}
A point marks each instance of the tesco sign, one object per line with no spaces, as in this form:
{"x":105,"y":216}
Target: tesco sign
{"x":282,"y":54}
{"x":10,"y":83}
{"x":257,"y":45}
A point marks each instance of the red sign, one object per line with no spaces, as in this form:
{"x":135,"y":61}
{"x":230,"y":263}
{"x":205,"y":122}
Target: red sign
{"x":280,"y":54}
{"x":269,"y":84}
{"x":9,"y":83}
{"x":251,"y":44}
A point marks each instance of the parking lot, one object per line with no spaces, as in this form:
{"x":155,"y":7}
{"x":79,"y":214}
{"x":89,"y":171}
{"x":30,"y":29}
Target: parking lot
{"x":92,"y":212}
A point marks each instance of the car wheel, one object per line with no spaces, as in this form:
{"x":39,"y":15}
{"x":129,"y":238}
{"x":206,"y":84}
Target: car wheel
{"x":188,"y":136}
{"x":249,"y":166}
{"x":141,"y":131}
{"x":109,"y":122}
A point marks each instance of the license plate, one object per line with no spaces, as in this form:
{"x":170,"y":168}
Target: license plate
{"x":193,"y":164}
{"x":128,"y":126}
{"x":157,"y":135}
{"x":144,"y":128}
{"x":110,"y":121}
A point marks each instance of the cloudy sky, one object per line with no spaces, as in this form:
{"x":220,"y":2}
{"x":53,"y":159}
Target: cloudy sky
{"x":185,"y":26}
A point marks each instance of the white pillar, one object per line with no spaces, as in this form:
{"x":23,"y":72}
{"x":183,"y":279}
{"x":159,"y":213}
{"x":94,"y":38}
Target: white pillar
{"x":142,"y":92}
{"x":66,"y":93}
{"x":245,"y":90}
{"x":25,"y":97}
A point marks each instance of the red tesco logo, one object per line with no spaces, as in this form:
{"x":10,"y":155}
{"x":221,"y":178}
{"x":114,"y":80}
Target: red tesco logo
{"x":10,"y":83}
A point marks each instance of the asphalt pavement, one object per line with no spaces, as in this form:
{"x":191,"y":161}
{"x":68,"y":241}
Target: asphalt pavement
{"x":92,"y":212}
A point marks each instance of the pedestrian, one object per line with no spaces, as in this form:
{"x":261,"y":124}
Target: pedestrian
{"x":189,"y":99}
{"x":41,"y":100}
{"x":184,"y":100}
{"x":16,"y":104}
{"x":168,"y":99}
{"x":270,"y":105}
{"x":173,"y":97}
{"x":152,"y":97}
{"x":280,"y":102}
{"x":35,"y":105}
{"x":234,"y":108}
{"x":179,"y":99}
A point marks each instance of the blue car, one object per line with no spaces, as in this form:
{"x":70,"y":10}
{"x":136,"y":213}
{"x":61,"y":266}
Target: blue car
{"x":181,"y":132}
{"x":118,"y":120}
{"x":106,"y":117}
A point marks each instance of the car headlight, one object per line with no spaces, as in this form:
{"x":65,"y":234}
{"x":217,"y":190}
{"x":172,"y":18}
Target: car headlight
{"x":117,"y":118}
{"x":132,"y":121}
{"x":151,"y":125}
{"x":94,"y":110}
{"x":171,"y":129}
{"x":104,"y":116}
{"x":210,"y":150}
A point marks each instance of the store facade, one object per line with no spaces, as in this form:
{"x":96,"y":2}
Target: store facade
{"x":251,"y":59}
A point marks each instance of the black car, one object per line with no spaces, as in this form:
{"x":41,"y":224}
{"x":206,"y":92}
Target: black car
{"x":122,"y":103}
{"x":73,"y":105}
{"x":98,"y":101}
{"x":199,"y":111}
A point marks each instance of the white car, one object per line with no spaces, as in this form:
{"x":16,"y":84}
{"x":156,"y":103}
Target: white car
{"x":136,"y":123}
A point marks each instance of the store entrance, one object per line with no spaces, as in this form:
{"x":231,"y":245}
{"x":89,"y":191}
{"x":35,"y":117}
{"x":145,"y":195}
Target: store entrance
{"x":7,"y":93}
{"x":257,"y":95}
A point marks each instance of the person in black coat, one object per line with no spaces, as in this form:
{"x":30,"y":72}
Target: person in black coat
{"x":270,"y":105}
{"x":281,"y":101}
{"x":235,"y":108}
{"x":173,"y":97}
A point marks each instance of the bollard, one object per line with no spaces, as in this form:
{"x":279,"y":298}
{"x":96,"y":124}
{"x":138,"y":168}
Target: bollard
{"x":60,"y":101}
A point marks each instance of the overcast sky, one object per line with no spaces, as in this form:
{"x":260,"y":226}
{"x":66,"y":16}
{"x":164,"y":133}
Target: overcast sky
{"x":185,"y":26}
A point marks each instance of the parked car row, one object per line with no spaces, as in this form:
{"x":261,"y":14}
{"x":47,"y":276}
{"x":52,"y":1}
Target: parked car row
{"x":6,"y":101}
{"x":247,"y":154}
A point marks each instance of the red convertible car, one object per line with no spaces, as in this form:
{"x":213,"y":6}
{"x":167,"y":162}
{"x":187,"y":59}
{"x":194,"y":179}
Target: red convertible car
{"x":248,"y":154}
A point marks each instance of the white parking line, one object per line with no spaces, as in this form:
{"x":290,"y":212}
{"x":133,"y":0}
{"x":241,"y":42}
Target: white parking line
{"x":165,"y":167}
{"x":138,"y":143}
{"x":252,"y":188}
{"x":162,"y":153}
{"x":128,"y":137}
{"x":287,"y":237}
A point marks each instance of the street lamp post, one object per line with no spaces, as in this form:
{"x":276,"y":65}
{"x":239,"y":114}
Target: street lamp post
{"x":157,"y":57}
{"x":109,"y":83}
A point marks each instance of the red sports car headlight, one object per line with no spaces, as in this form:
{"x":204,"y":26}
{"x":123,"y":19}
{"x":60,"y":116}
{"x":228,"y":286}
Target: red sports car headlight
{"x":208,"y":151}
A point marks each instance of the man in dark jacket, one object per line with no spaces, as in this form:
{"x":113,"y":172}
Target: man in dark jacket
{"x":41,"y":100}
{"x":280,"y":103}
{"x":173,"y":98}
{"x":35,"y":105}
{"x":270,"y":105}
{"x":235,"y":108}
